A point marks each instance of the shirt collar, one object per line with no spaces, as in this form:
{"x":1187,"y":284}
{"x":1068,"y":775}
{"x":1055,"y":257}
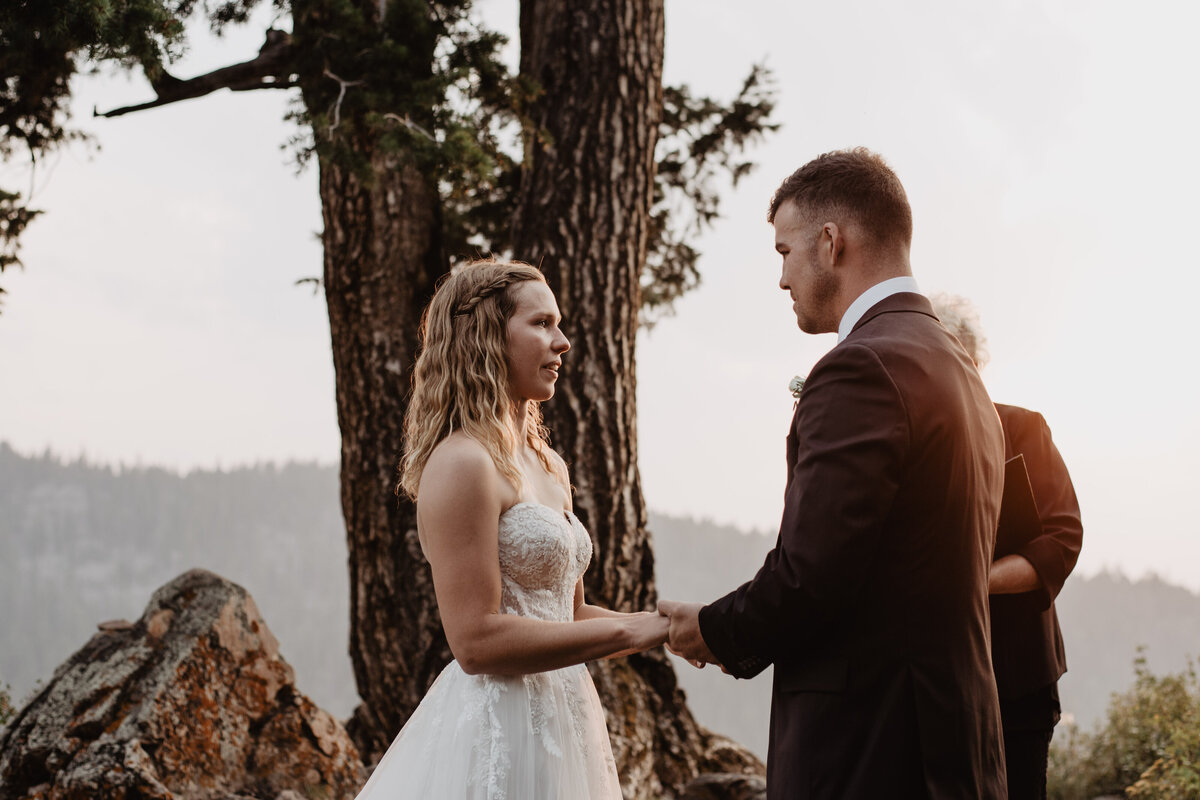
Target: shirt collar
{"x":905,"y":283}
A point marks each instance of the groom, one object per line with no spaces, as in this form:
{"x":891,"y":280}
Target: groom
{"x":873,"y":605}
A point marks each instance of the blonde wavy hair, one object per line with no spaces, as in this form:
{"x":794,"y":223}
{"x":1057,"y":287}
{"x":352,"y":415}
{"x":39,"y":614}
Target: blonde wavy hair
{"x":461,"y":377}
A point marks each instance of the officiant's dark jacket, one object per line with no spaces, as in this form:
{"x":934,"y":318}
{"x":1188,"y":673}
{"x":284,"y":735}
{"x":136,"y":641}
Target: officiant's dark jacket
{"x":873,"y":605}
{"x":1027,"y":644}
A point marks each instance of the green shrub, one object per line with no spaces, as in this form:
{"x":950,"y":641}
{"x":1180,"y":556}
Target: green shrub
{"x":1067,"y":773}
{"x":1175,"y":774}
{"x":1148,"y":747}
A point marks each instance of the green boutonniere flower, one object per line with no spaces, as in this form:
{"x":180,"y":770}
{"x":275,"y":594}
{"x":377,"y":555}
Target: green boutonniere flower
{"x":796,"y":386}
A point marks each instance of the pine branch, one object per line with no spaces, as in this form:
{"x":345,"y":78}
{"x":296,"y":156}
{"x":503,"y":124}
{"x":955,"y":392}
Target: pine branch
{"x":269,"y":70}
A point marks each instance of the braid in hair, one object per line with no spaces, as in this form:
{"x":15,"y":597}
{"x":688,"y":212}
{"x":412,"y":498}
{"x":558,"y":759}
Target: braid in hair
{"x":489,"y":289}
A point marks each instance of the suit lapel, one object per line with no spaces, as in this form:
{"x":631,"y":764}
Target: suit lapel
{"x":793,"y":444}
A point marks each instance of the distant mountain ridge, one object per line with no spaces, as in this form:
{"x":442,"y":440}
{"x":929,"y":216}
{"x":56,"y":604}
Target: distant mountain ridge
{"x":83,"y":543}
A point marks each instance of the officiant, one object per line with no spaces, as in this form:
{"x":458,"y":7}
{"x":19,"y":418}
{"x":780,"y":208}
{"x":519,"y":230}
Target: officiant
{"x":1027,"y":645}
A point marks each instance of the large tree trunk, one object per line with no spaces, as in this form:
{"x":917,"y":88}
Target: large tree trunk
{"x":383,"y":256}
{"x":584,"y":213}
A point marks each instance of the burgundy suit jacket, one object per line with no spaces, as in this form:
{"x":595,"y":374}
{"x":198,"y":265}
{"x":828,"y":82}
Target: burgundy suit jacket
{"x":873,"y":605}
{"x":1027,"y":644}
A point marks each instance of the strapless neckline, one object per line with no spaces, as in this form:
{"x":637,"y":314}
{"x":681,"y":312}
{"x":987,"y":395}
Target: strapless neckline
{"x":560,"y":513}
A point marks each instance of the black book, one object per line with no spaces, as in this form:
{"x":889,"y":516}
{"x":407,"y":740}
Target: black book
{"x":1019,"y":521}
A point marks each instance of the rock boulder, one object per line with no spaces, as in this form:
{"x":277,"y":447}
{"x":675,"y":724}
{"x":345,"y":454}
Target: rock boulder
{"x":726,"y":786}
{"x":191,"y":701}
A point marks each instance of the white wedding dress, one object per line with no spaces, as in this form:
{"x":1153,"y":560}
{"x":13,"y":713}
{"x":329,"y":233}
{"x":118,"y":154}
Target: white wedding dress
{"x":531,"y":737}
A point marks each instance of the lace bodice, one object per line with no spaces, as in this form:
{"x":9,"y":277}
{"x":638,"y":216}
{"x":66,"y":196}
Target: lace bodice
{"x":537,"y":736}
{"x":543,"y":552}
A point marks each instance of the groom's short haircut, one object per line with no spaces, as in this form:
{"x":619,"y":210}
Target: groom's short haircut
{"x":857,"y":183}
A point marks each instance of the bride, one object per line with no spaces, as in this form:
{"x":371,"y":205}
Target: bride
{"x":515,"y":716}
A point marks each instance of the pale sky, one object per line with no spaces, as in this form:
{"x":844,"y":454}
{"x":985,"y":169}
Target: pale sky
{"x":1047,"y":149}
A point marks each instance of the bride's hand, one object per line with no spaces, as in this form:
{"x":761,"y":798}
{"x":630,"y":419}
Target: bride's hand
{"x":647,"y":629}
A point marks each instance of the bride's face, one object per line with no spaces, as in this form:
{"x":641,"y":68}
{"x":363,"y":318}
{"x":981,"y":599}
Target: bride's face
{"x":535,"y":342}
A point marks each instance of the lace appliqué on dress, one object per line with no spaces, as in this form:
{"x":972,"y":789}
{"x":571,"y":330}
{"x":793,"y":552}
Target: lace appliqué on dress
{"x":543,"y":553}
{"x":490,"y":755}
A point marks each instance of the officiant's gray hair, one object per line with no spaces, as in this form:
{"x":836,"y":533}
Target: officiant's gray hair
{"x":959,"y":316}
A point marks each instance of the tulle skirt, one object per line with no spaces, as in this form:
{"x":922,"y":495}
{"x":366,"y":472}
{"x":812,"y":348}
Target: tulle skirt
{"x":484,"y":737}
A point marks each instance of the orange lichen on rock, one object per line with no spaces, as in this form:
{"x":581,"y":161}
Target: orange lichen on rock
{"x":191,"y":701}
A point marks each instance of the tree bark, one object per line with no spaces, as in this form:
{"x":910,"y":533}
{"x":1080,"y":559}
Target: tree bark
{"x":382,"y":259}
{"x":584,"y":216}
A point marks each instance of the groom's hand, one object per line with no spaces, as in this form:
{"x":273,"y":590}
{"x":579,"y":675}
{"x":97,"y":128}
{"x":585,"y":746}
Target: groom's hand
{"x":683,"y":637}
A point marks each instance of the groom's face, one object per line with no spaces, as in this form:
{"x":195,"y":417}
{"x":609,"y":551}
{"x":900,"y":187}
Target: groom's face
{"x":806,"y":277}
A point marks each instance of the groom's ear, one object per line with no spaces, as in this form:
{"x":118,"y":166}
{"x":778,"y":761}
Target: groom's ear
{"x":833,"y":242}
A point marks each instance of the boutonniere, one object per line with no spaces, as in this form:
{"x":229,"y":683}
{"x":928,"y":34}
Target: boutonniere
{"x":796,"y":386}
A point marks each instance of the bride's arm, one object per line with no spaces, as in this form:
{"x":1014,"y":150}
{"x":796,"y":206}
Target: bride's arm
{"x":585,"y":611}
{"x":458,"y":511}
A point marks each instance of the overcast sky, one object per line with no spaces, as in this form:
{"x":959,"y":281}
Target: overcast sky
{"x":1048,"y":149}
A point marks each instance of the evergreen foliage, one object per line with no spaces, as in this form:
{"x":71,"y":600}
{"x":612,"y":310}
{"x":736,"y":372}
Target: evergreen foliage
{"x":699,"y":140}
{"x":43,"y":43}
{"x":425,"y":82}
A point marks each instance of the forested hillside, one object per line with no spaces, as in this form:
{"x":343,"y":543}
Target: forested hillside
{"x":82,"y":543}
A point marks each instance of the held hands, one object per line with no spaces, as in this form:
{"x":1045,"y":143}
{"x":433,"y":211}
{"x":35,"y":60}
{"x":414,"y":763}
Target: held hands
{"x":646,"y":629}
{"x":684,"y":638}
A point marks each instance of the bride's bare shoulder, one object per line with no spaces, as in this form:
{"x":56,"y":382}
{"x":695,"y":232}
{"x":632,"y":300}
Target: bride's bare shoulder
{"x":459,"y":455}
{"x":459,"y":470}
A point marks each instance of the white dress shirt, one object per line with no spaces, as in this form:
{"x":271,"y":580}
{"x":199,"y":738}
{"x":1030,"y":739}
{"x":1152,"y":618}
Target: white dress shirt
{"x":905,"y":283}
